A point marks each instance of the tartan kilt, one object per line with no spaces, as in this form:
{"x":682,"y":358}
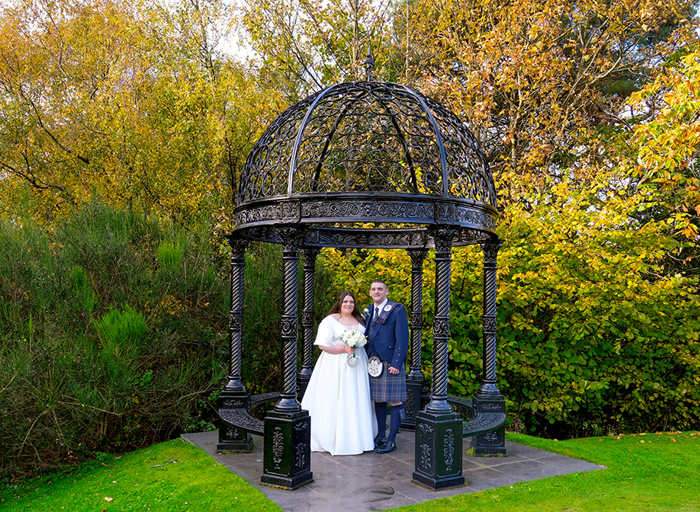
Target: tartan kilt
{"x":388,"y":387}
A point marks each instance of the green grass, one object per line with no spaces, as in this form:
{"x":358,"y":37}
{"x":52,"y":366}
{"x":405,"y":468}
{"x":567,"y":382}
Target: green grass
{"x":645,"y":472}
{"x":113,"y":483}
{"x":652,"y":472}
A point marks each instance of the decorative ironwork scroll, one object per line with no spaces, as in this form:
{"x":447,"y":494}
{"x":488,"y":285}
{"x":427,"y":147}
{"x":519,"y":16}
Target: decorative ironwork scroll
{"x":366,"y":207}
{"x":367,"y":136}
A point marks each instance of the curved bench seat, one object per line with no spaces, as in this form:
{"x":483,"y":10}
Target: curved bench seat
{"x":241,"y":419}
{"x":481,"y":422}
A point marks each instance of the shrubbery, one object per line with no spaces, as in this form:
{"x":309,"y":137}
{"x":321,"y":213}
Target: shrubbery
{"x":113,"y":326}
{"x":113,"y":331}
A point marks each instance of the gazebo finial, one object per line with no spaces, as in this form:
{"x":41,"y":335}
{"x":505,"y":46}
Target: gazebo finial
{"x":369,"y":64}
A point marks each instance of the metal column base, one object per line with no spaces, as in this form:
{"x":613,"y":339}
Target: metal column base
{"x":493,"y":443}
{"x":438,"y":459}
{"x":287,"y":450}
{"x":412,"y":405}
{"x":232,"y":439}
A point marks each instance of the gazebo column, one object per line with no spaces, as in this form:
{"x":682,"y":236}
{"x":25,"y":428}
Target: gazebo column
{"x":415,"y":377}
{"x":235,"y":395}
{"x":438,"y":456}
{"x":287,"y":451}
{"x":488,"y":398}
{"x":309,"y":255}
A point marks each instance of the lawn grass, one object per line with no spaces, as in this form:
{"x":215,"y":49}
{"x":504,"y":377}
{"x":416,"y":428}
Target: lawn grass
{"x":652,"y":472}
{"x":193,"y":482}
{"x":645,"y":472}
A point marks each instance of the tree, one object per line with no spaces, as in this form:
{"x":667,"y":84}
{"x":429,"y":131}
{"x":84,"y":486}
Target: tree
{"x":305,"y":46}
{"x":130,"y":102}
{"x":668,"y":138}
{"x":529,"y":77}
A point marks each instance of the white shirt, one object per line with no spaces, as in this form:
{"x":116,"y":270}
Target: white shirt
{"x":379,"y":309}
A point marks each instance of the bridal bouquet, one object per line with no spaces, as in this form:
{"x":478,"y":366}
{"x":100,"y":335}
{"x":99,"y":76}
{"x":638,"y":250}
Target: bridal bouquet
{"x":353,"y":338}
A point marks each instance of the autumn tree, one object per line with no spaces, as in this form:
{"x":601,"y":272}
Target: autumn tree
{"x":131,"y":102}
{"x":667,"y":137}
{"x":530,"y":76}
{"x":305,"y":46}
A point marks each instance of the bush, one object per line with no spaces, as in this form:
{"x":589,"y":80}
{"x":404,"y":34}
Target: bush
{"x":113,"y":327}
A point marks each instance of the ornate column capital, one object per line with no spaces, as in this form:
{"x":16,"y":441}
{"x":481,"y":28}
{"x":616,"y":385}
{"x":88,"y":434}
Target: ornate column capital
{"x":491,"y":251}
{"x":443,"y":238}
{"x":238,"y":247}
{"x":291,"y":237}
{"x":309,"y":255}
{"x":417,"y":257}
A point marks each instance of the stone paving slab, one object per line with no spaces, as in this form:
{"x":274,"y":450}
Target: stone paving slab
{"x":370,"y":481}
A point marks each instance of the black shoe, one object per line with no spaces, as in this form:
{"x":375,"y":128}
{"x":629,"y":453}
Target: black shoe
{"x":388,"y":447}
{"x":379,"y":442}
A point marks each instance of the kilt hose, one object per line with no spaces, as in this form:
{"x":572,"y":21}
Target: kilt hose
{"x":388,"y":387}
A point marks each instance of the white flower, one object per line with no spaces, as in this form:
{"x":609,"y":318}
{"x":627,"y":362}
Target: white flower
{"x":353,"y":338}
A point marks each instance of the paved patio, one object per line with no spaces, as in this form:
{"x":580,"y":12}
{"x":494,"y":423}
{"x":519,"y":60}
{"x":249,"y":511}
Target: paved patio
{"x":377,"y":482}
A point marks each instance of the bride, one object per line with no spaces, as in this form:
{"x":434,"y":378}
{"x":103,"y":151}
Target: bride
{"x":337,"y":397}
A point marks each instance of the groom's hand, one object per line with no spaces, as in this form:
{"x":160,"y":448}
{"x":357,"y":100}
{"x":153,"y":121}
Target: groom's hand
{"x":393,"y":371}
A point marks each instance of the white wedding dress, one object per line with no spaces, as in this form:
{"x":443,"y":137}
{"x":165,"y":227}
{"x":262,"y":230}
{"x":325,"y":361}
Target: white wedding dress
{"x":337,"y":398}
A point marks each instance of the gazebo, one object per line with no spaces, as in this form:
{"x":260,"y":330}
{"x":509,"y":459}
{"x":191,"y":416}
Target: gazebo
{"x":366,"y":164}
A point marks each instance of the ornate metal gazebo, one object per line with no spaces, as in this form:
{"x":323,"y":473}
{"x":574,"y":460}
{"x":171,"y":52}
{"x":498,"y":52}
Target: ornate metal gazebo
{"x":366,"y":165}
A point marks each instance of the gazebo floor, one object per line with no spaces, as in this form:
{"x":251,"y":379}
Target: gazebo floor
{"x":371,"y":481}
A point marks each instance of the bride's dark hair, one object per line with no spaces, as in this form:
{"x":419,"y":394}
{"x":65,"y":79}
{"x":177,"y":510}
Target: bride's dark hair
{"x":339,"y":302}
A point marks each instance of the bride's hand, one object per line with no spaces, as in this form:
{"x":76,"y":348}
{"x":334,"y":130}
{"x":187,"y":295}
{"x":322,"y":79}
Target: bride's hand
{"x":349,"y":350}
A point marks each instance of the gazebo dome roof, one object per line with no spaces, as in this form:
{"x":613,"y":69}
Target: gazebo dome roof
{"x":366,"y":152}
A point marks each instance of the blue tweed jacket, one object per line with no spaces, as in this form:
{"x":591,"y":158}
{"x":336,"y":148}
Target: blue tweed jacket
{"x":388,"y":335}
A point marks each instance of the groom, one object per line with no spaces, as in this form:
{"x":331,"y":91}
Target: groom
{"x":387,"y":335}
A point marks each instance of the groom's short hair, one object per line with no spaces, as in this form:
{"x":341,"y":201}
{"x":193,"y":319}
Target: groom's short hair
{"x":379,"y":281}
